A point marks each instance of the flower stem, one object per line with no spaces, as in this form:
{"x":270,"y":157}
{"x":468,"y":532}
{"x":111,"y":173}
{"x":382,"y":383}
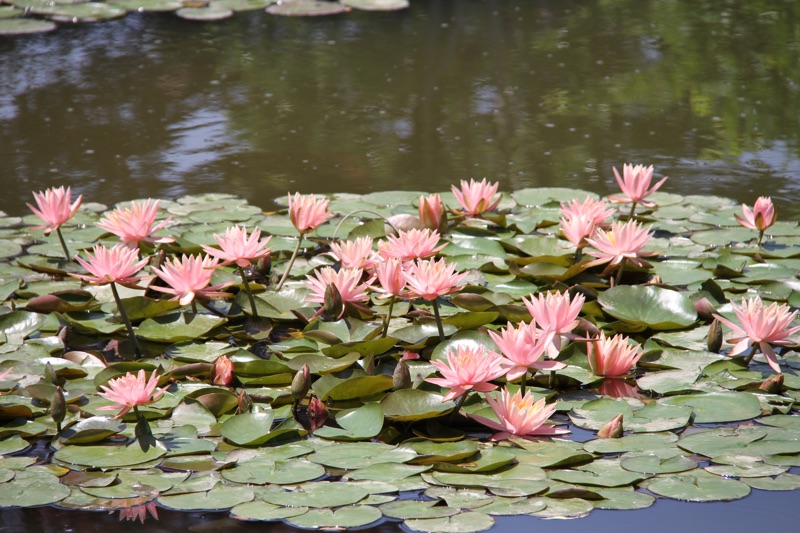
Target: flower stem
{"x":760,"y":237}
{"x":753,"y":352}
{"x":633,"y":210}
{"x":388,"y":317}
{"x":291,"y":262}
{"x":66,"y":251}
{"x":438,"y":320}
{"x":194,"y":307}
{"x":249,"y":292}
{"x":125,"y":319}
{"x":522,"y":384}
{"x":459,"y":402}
{"x":620,"y":270}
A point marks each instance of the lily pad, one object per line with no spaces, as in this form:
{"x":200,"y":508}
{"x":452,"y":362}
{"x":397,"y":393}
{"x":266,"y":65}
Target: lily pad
{"x":306,"y":8}
{"x":461,"y":523}
{"x":650,"y":306}
{"x":178,"y":327}
{"x":23,"y":26}
{"x":698,"y":486}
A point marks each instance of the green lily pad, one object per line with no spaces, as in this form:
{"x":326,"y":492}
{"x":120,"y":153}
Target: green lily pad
{"x":780,"y":482}
{"x":107,"y":456}
{"x":306,"y":8}
{"x":211,"y":12}
{"x":354,"y":387}
{"x":415,"y":509}
{"x":248,"y":429}
{"x":461,"y":523}
{"x":377,"y":5}
{"x":698,"y":486}
{"x":359,"y":424}
{"x":13,"y":444}
{"x":318,"y":495}
{"x":623,"y":500}
{"x":657,"y":464}
{"x":178,"y":327}
{"x":22,"y":26}
{"x":264,"y":511}
{"x":30,"y":489}
{"x":601,"y":473}
{"x":388,"y":472}
{"x":144,"y":6}
{"x":260,"y":471}
{"x":414,"y":404}
{"x":221,"y":497}
{"x":650,"y":306}
{"x":442,"y":452}
{"x":361,"y":455}
{"x":83,"y":12}
{"x":718,"y":407}
{"x":639,"y":442}
{"x":88,"y":430}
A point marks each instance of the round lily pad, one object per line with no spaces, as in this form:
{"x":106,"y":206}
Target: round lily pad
{"x":83,"y":12}
{"x":318,"y":495}
{"x":108,"y":456}
{"x":377,"y":5}
{"x":209,"y":13}
{"x":718,"y":407}
{"x":144,"y":6}
{"x":306,"y":8}
{"x":344,"y":517}
{"x":460,"y":523}
{"x":22,"y":26}
{"x":698,"y":486}
{"x":29,"y":489}
{"x":267,"y":512}
{"x":657,"y":463}
{"x":654,"y":307}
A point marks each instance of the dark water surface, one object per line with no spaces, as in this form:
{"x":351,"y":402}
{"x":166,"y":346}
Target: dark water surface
{"x":529,"y":93}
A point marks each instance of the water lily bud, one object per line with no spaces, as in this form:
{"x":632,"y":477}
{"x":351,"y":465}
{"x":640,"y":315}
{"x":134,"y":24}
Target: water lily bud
{"x":317,"y":414}
{"x":58,"y":407}
{"x":50,"y":374}
{"x":245,"y":403}
{"x":401,"y":378}
{"x":714,"y":340}
{"x":773,"y":385}
{"x":612,"y":429}
{"x":223,"y":371}
{"x":334,"y":305}
{"x":301,"y":383}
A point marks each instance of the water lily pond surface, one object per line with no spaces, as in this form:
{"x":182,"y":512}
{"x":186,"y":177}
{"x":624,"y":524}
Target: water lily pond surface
{"x":221,"y":120}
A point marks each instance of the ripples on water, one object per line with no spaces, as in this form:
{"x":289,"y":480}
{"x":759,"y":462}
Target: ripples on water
{"x":544,"y":93}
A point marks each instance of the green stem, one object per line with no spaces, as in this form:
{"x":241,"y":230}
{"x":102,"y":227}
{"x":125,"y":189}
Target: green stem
{"x":633,"y":210}
{"x":125,"y":319}
{"x":620,"y":270}
{"x":522,"y":384}
{"x":552,"y":381}
{"x":388,"y":317}
{"x":291,"y":262}
{"x":194,"y":306}
{"x":753,"y":352}
{"x":249,"y":292}
{"x":66,"y":251}
{"x":459,"y":402}
{"x":760,"y":237}
{"x":438,"y":320}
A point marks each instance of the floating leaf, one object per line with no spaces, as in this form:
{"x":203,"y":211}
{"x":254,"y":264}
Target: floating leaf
{"x":178,"y":327}
{"x":717,"y":407}
{"x":460,"y":523}
{"x":698,"y":486}
{"x":650,"y":306}
{"x":414,"y":404}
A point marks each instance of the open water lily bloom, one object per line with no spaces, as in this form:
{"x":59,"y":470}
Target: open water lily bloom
{"x":389,"y":273}
{"x":356,"y":253}
{"x":111,"y":265}
{"x":612,"y":356}
{"x":467,"y":368}
{"x":760,"y":217}
{"x":477,"y":197}
{"x":189,"y":277}
{"x":129,"y":391}
{"x":761,"y":326}
{"x":235,"y":246}
{"x":135,"y":224}
{"x":596,"y":211}
{"x":346,"y":280}
{"x":620,"y":242}
{"x":635,"y":184}
{"x":308,"y":212}
{"x":431,"y":279}
{"x":411,"y":244}
{"x":54,"y":206}
{"x":519,"y":416}
{"x":555,"y":312}
{"x":523,"y":348}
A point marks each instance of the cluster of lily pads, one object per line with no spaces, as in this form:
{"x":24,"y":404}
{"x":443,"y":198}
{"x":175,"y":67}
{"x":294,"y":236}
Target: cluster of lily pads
{"x":19,"y":17}
{"x":690,"y":422}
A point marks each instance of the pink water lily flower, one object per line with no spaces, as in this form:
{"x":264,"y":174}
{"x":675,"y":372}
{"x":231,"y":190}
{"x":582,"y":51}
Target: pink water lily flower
{"x":431,"y":279}
{"x":189,"y":277}
{"x":762,"y":326}
{"x":432,"y":213}
{"x":357,"y":253}
{"x":135,"y":224}
{"x":467,"y":368}
{"x":389,"y":273}
{"x":596,"y":211}
{"x":577,"y":229}
{"x":308,"y":212}
{"x":346,"y":280}
{"x":523,"y":348}
{"x":111,"y":265}
{"x":623,"y":241}
{"x":635,"y":184}
{"x":519,"y":416}
{"x":477,"y":197}
{"x":237,"y":247}
{"x":411,"y":244}
{"x":612,"y":356}
{"x":54,"y":206}
{"x":555,"y":312}
{"x":761,"y":216}
{"x":131,"y":391}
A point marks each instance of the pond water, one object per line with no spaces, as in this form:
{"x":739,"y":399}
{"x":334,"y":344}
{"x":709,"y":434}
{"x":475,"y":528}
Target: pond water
{"x":535,"y":93}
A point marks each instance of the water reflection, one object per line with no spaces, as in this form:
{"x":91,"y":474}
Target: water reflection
{"x":529,"y":93}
